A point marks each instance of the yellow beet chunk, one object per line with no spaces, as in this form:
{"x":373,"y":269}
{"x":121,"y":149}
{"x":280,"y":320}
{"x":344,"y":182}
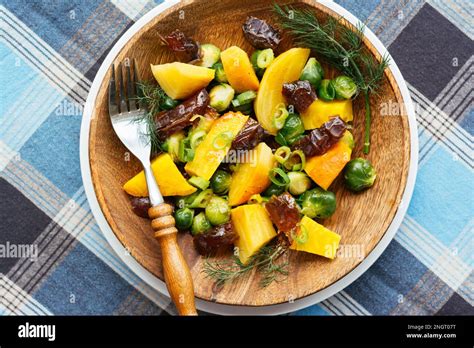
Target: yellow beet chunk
{"x":285,"y":68}
{"x":317,"y":239}
{"x":213,"y":149}
{"x":325,"y":168}
{"x":320,"y":111}
{"x":251,"y":177}
{"x":239,"y":70}
{"x":180,"y":80}
{"x":254,"y":228}
{"x":170,"y":180}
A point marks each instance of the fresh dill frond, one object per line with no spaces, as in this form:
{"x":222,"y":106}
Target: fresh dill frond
{"x":153,"y":97}
{"x":340,"y":46}
{"x":264,"y":261}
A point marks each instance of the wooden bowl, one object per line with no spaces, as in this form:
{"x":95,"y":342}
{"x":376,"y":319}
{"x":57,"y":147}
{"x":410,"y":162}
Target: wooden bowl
{"x":361,"y":219}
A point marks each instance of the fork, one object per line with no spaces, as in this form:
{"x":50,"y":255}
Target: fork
{"x":127,"y":117}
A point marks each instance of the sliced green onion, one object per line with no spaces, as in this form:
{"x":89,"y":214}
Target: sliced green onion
{"x":196,"y":138}
{"x":222,"y":140}
{"x":282,"y":154}
{"x":265,"y":58}
{"x":244,"y":98}
{"x":296,"y":161}
{"x":185,"y":152}
{"x":199,"y":182}
{"x":195,"y":117}
{"x":303,"y":236}
{"x":280,"y":116}
{"x":201,"y":199}
{"x":279,"y":177}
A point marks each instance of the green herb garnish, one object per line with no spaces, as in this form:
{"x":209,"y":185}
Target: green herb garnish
{"x":155,"y":100}
{"x":264,"y":261}
{"x":340,"y":46}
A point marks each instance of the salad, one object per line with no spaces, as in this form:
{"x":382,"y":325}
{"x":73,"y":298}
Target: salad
{"x":246,"y":146}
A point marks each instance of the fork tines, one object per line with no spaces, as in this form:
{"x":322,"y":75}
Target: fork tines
{"x":126,"y":86}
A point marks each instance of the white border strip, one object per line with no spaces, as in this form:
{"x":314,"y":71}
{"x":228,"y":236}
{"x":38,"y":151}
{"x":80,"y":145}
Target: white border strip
{"x":246,"y":310}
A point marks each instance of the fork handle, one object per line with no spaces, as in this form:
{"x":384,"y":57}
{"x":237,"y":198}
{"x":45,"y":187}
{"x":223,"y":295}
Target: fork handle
{"x":177,"y":275}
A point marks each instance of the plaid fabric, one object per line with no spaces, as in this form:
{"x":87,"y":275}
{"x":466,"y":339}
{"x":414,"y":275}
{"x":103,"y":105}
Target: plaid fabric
{"x":49,"y":54}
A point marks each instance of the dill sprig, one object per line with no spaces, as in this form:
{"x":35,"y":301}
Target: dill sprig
{"x":153,"y":97}
{"x":339,"y":46}
{"x":264,"y":261}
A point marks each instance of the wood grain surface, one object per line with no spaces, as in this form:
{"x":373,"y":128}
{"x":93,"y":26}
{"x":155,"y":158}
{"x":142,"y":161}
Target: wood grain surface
{"x":361,"y":219}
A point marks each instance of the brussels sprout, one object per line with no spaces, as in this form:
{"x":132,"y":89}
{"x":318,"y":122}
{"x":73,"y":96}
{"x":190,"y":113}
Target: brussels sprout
{"x":273,"y":190}
{"x":344,"y":87}
{"x":199,"y":182}
{"x":291,"y":131}
{"x":359,"y":174}
{"x":221,"y":96}
{"x":220,"y":182}
{"x":220,"y":75}
{"x":210,"y":55}
{"x":184,"y":218}
{"x":200,"y":224}
{"x":312,"y":72}
{"x":171,"y":145}
{"x":317,"y":203}
{"x":299,"y":183}
{"x":348,"y":138}
{"x":218,"y":211}
{"x":326,"y":90}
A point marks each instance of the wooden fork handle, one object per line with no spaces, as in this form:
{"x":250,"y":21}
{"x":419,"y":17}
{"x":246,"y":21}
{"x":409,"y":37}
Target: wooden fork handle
{"x":177,"y":275}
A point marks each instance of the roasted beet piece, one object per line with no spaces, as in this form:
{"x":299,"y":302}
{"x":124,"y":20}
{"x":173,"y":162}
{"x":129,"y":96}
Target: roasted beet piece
{"x":140,"y":206}
{"x":260,"y":34}
{"x":320,"y":140}
{"x":219,"y":238}
{"x":185,"y":48}
{"x":283,"y":212}
{"x":171,"y":121}
{"x":300,"y":94}
{"x":249,"y":136}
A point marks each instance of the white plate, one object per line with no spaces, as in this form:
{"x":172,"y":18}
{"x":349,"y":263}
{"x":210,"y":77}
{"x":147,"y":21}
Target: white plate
{"x":216,"y":308}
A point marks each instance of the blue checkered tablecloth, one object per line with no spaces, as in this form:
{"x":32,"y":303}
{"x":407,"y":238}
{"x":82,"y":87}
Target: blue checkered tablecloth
{"x":50,"y":52}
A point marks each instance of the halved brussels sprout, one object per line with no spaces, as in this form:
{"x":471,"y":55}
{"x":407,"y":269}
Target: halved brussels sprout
{"x":210,"y":54}
{"x":221,"y":96}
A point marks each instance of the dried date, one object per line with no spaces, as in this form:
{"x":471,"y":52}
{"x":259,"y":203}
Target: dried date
{"x":300,"y":94}
{"x":219,"y":238}
{"x":171,"y":121}
{"x":320,"y":140}
{"x":260,"y":34}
